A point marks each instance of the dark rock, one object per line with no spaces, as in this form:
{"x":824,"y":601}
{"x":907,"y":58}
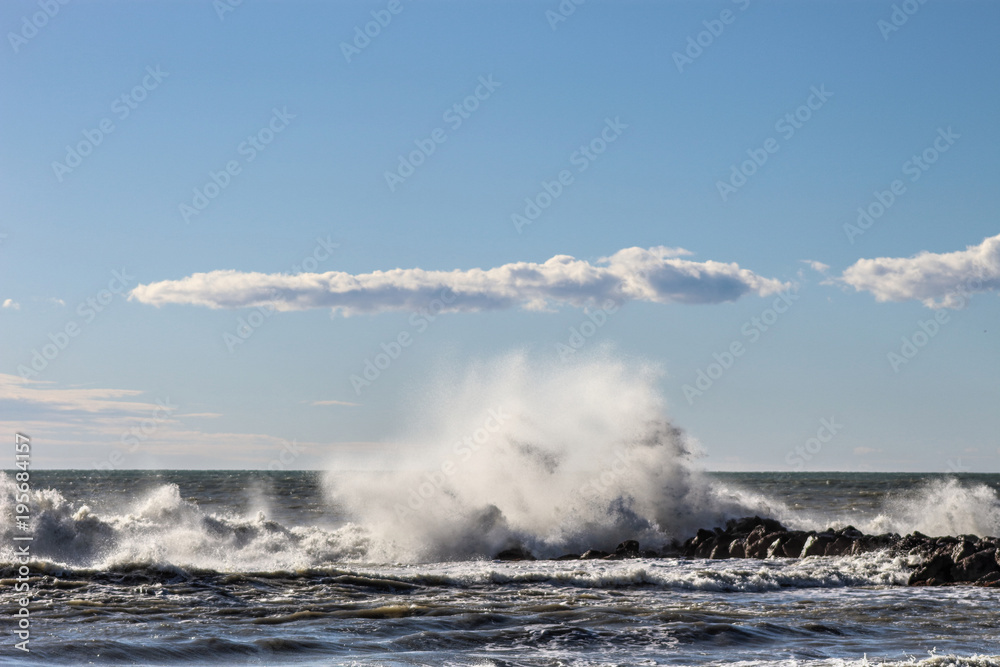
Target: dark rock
{"x":628,"y":549}
{"x":792,"y":547}
{"x":737,"y":549}
{"x":747,"y":524}
{"x":774,"y":548}
{"x":816,"y":545}
{"x":591,"y":554}
{"x":975,"y":567}
{"x":704,"y":550}
{"x":720,"y":551}
{"x":962,"y":550}
{"x":842,"y":546}
{"x":937,"y":568}
{"x":991,"y":580}
{"x":569,"y":557}
{"x":702,"y":536}
{"x":761,"y":547}
{"x":515,"y":553}
{"x":756,"y":535}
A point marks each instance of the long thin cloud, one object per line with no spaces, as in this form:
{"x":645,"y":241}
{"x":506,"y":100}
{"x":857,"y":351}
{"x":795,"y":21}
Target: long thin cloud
{"x":633,"y":274}
{"x":938,"y":280}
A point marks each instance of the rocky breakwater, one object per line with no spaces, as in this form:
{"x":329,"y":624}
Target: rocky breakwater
{"x":935,"y":560}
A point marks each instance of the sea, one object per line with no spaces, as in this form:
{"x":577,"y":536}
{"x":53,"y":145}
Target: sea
{"x":183,"y":567}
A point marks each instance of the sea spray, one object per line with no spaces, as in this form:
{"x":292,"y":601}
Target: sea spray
{"x":940,"y":507}
{"x":566,"y":456}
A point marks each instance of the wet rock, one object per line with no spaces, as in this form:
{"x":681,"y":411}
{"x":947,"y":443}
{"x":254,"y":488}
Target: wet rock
{"x":720,"y":551}
{"x":737,"y":549}
{"x":747,"y":524}
{"x":761,"y":547}
{"x":569,"y":557}
{"x":704,"y":550}
{"x":792,"y":547}
{"x":591,"y":554}
{"x":962,"y":550}
{"x":816,"y":544}
{"x":515,"y":553}
{"x":774,"y":549}
{"x":851,"y":532}
{"x":628,"y":549}
{"x":991,"y":580}
{"x":975,"y":567}
{"x":937,"y":569}
{"x":842,"y":546}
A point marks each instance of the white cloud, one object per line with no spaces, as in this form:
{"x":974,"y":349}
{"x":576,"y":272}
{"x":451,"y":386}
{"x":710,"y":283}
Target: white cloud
{"x":865,"y":451}
{"x":819,"y":267}
{"x":937,"y":280}
{"x":657,"y":275}
{"x":10,"y":303}
{"x":333,"y":402}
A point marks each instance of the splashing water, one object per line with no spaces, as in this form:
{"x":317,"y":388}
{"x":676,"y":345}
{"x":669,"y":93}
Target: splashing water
{"x":556,"y":458}
{"x":941,"y":507}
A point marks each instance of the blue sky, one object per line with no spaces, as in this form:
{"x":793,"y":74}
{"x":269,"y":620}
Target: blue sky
{"x":306,"y":224}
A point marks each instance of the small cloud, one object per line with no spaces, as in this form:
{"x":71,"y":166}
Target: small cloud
{"x":971,"y":450}
{"x":816,"y":266}
{"x":938,"y":280}
{"x":206,"y":415}
{"x":10,"y":303}
{"x":865,"y":451}
{"x":58,"y":302}
{"x":332,"y":402}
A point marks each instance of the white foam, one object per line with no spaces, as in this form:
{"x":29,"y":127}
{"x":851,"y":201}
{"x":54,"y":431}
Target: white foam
{"x":940,"y":507}
{"x":583,"y":457}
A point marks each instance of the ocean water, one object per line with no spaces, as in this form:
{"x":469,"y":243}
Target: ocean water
{"x":310,"y":568}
